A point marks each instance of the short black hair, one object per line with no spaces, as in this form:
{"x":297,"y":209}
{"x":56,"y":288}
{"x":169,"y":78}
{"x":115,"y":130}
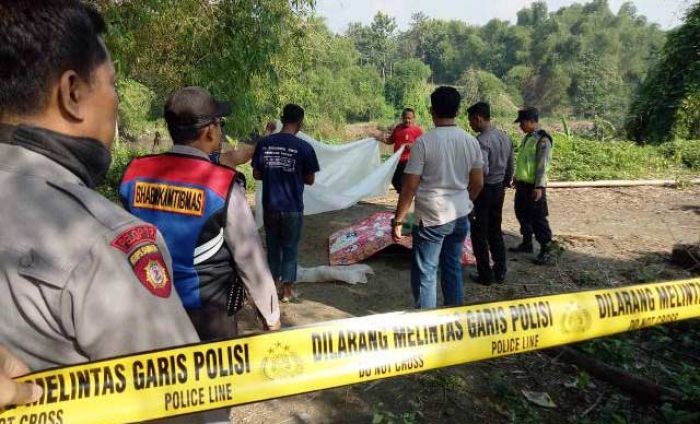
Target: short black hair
{"x":292,"y":114}
{"x":445,"y":102}
{"x":408,"y":109}
{"x":482,"y":109}
{"x":39,"y":41}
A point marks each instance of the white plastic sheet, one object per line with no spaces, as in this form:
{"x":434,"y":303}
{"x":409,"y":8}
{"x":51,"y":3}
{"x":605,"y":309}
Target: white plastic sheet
{"x":349,"y":173}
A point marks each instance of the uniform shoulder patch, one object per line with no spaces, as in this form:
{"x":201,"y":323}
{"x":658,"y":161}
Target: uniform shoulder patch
{"x":139,"y":244}
{"x":134,"y":236}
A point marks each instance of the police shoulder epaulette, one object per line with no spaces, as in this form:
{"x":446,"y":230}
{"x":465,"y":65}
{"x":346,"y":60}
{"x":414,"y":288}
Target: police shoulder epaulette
{"x":104,"y":211}
{"x":544,"y":134}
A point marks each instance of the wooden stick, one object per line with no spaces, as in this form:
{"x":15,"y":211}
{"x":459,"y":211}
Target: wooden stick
{"x":620,"y":183}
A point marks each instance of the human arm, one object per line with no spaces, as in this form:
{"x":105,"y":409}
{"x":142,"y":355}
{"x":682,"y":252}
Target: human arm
{"x":238,"y":156}
{"x":310,"y":165}
{"x":411,"y":180}
{"x":390,"y":139}
{"x":256,"y":163}
{"x":120,"y":297}
{"x":476,"y":162}
{"x":12,"y":392}
{"x":485,"y":154}
{"x":476,"y":183}
{"x":544,"y":148}
{"x":242,"y":239}
{"x":510,"y":165}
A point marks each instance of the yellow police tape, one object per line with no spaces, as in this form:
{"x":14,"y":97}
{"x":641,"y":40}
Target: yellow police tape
{"x":214,"y":375}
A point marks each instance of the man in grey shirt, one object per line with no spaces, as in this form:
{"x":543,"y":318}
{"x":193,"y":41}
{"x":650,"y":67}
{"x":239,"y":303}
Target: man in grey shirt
{"x":486,"y":234}
{"x":444,"y":174}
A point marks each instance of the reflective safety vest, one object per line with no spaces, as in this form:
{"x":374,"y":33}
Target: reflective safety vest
{"x":186,"y":197}
{"x":526,"y":166}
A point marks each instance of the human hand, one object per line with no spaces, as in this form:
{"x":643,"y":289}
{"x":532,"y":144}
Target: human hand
{"x":12,"y":392}
{"x":537,"y":194}
{"x":273,"y":327}
{"x":396,"y":233}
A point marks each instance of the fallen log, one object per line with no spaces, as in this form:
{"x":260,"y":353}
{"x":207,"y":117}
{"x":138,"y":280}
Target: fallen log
{"x":637,"y":387}
{"x":621,"y":183}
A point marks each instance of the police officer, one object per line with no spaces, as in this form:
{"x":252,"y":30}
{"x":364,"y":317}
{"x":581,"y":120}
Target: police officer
{"x":531,"y":167}
{"x":80,"y":278}
{"x":204,"y":217}
{"x":486,"y":234}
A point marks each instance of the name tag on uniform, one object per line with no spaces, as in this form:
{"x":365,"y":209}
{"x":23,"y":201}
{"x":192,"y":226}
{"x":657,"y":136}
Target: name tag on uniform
{"x":169,"y":198}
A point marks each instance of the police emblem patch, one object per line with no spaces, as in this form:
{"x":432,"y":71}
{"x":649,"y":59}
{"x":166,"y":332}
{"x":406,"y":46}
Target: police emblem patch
{"x":138,"y":243}
{"x":153,"y":274}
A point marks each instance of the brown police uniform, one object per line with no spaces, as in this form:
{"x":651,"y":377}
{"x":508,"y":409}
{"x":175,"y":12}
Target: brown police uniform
{"x":80,"y":278}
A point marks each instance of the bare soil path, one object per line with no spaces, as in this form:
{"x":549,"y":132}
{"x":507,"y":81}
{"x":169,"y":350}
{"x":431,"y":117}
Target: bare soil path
{"x":610,"y":236}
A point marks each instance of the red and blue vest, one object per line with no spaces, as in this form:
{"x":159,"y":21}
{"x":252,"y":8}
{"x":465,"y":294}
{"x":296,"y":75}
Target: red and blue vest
{"x":186,"y":198}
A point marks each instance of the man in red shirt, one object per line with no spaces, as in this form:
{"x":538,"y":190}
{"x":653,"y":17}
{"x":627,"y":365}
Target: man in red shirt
{"x":404,"y":134}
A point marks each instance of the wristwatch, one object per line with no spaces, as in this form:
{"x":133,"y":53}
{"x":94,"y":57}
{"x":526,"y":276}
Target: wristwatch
{"x":395,"y":223}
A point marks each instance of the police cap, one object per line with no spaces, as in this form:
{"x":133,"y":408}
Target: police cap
{"x":194,"y":107}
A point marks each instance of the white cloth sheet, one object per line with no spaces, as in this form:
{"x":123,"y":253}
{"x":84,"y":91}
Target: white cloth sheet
{"x":349,"y":173}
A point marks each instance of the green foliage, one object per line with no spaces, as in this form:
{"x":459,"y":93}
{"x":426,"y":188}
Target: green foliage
{"x":584,"y":159}
{"x":223,"y":46}
{"x":683,"y":152}
{"x":667,"y":106}
{"x":135,"y":108}
{"x":407,"y":80}
{"x":121,"y":156}
{"x":484,"y":86}
{"x":597,"y":88}
{"x":381,"y":415}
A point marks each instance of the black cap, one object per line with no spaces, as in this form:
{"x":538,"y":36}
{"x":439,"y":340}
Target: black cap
{"x":194,"y":107}
{"x":528,"y":114}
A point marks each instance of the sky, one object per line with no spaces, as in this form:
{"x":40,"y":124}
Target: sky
{"x":339,"y":13}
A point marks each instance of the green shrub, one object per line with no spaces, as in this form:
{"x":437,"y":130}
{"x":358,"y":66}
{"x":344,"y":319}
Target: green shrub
{"x":683,"y":152}
{"x":583,"y":159}
{"x":135,"y":108}
{"x":121,"y":156}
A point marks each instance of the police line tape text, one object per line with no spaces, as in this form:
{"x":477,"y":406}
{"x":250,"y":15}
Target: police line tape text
{"x":146,"y":374}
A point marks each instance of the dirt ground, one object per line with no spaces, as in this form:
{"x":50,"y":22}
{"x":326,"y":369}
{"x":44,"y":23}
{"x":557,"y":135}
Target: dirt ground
{"x":610,"y":237}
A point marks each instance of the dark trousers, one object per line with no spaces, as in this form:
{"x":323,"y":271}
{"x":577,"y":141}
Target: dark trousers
{"x":213,"y":322}
{"x":532,"y":215}
{"x":282,"y":234}
{"x":397,"y":179}
{"x":486,"y":231}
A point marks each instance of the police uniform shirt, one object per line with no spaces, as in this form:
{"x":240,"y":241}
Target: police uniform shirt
{"x":497,"y":149}
{"x":80,"y":279}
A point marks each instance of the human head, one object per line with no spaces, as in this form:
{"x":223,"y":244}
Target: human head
{"x":56,"y":71}
{"x":528,"y":119}
{"x":408,"y":117}
{"x":195,"y":117}
{"x":292,"y":117}
{"x":479,"y":115}
{"x":444,"y":102}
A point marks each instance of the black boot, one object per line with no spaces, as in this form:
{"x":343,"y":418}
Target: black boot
{"x":524,"y":247}
{"x":499,"y":274}
{"x":545,"y":257}
{"x":479,"y":279}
